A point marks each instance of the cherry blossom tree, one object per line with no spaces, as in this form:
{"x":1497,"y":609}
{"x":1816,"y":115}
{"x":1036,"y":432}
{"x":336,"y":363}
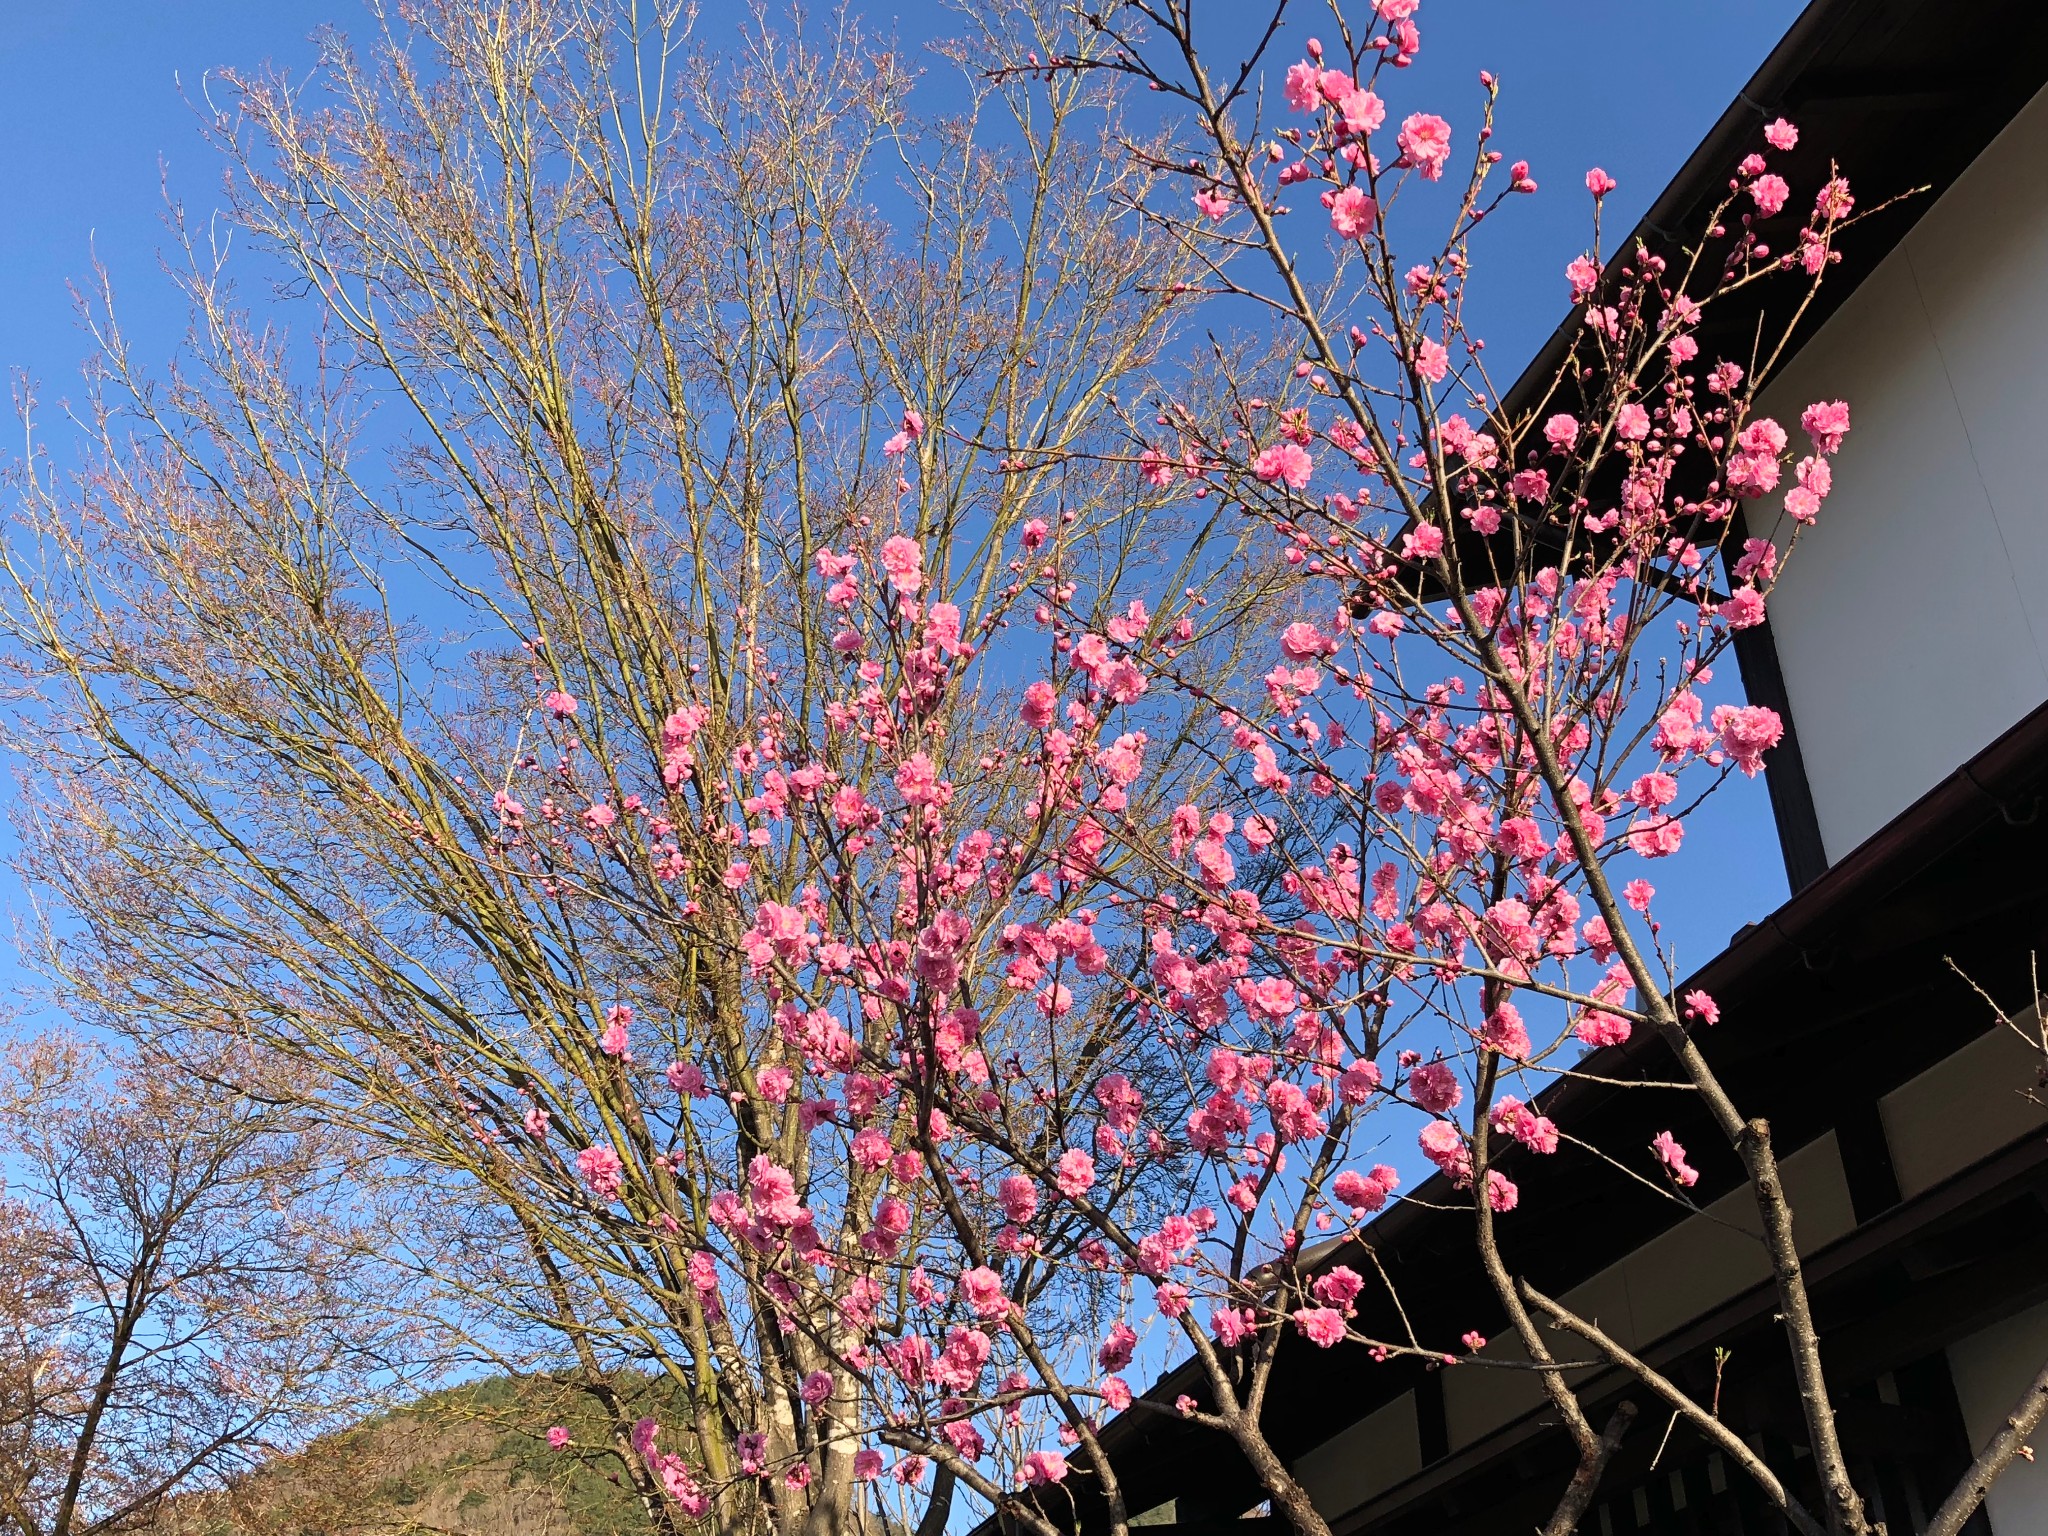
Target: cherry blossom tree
{"x":866,"y":871}
{"x":1482,"y":732}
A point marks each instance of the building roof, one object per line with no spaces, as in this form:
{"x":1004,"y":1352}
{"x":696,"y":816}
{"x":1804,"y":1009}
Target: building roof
{"x":1901,"y":95}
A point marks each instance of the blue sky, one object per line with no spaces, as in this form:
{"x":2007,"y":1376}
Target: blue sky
{"x":99,"y":97}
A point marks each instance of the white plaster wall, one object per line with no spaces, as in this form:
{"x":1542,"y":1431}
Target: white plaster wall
{"x":1991,"y":1369}
{"x":1912,"y":624}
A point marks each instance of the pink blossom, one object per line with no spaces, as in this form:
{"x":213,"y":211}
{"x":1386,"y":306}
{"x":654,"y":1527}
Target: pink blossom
{"x":559,"y":704}
{"x":1747,"y":733}
{"x":1055,"y":999}
{"x":904,"y":561}
{"x":918,"y":782}
{"x":1232,"y":1325}
{"x":1266,"y":769}
{"x":1504,"y":1031}
{"x":1431,"y":360}
{"x":1304,"y":642}
{"x":1321,"y":1326}
{"x":1435,"y":1087}
{"x":871,"y":1149}
{"x":1752,"y":474}
{"x":1668,"y":1152}
{"x":1042,"y":1467}
{"x":1362,"y":1192}
{"x":1583,"y":276}
{"x":1121,"y":1103}
{"x":892,"y":1216}
{"x":1425,"y":141}
{"x":1759,"y":559}
{"x":1536,"y":1132}
{"x":1352,"y":213}
{"x":1271,"y":997}
{"x":1656,"y":837}
{"x":1599,"y":183}
{"x":1442,"y":1145}
{"x":1425,"y":541}
{"x":1781,"y":135}
{"x":1632,"y":423}
{"x":1834,"y":202}
{"x":1363,"y":112}
{"x":1303,"y":86}
{"x":773,"y":1190}
{"x":1699,"y":1005}
{"x":1827,"y":423}
{"x":1357,"y":1082}
{"x":1019,"y":1196}
{"x":1039,"y":701}
{"x":1294,"y":1119}
{"x":557,"y":1437}
{"x":1473,"y":1340}
{"x":1769,"y":194}
{"x":1212,"y":202}
{"x":753,"y":1453}
{"x":913,"y":429}
{"x":1561,"y":431}
{"x":1638,"y":894}
{"x":867,"y":1465}
{"x":686,"y":1078}
{"x":1508,"y":931}
{"x":1651,"y":791}
{"x":1744,"y":609}
{"x":817,"y":1388}
{"x":646,"y":1432}
{"x":1288,"y":462}
{"x":1074,"y":1173}
{"x":601,"y":1171}
{"x":1598,"y":1027}
{"x":982,"y":1289}
{"x":1501,"y":1193}
{"x":1117,"y":1347}
{"x":1338,"y":1286}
